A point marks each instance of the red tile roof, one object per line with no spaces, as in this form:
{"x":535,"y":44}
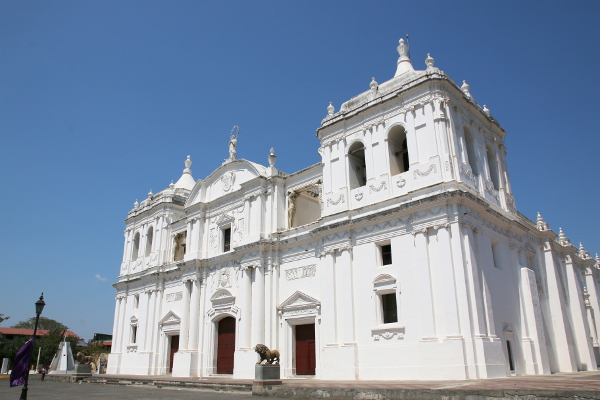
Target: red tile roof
{"x":29,"y":332}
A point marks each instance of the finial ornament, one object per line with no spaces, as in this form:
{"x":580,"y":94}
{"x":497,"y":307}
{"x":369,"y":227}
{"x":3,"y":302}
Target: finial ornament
{"x":541,"y":224}
{"x":402,"y":49}
{"x":404,"y":64}
{"x":233,"y":143}
{"x":429,"y":61}
{"x":373,"y":83}
{"x":486,"y":110}
{"x":330,"y":109}
{"x":465,"y":88}
{"x":171,"y":185}
{"x":150,"y":194}
{"x":136,"y":204}
{"x":562,"y":239}
{"x":188,"y":164}
{"x":582,"y":253}
{"x":272,"y":157}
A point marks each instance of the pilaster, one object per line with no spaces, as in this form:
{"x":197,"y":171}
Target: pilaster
{"x":585,"y":357}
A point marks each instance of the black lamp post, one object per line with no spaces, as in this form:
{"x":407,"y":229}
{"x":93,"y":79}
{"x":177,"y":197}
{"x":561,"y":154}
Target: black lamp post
{"x":39,"y":306}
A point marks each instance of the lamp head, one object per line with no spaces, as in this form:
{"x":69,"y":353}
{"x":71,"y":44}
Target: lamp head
{"x":39,"y":305}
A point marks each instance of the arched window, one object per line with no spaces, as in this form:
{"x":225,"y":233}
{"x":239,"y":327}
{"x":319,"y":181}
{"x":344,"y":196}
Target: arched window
{"x":493,"y":164}
{"x":357,"y":165}
{"x":149,"y":238}
{"x":398,"y":150}
{"x":471,"y":154}
{"x":136,"y":246}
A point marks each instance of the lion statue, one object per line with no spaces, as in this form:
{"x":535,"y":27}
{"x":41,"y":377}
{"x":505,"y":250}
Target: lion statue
{"x":266,"y":354}
{"x":83,"y":359}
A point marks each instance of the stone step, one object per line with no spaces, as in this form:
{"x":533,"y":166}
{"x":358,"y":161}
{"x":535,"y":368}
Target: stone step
{"x":160,"y":383}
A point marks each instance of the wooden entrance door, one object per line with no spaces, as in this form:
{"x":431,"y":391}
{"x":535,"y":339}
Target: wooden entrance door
{"x":173,"y":350}
{"x":305,"y":349}
{"x":225,"y":345}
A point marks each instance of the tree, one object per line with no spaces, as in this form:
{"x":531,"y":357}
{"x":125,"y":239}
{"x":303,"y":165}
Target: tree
{"x":44,"y":323}
{"x":3,"y":318}
{"x":48,"y":343}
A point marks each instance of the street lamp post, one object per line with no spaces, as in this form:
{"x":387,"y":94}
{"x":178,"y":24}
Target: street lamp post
{"x":39,"y":306}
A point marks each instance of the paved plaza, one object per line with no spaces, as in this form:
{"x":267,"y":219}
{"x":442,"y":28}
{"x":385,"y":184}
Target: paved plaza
{"x":580,"y":385}
{"x":69,"y":391}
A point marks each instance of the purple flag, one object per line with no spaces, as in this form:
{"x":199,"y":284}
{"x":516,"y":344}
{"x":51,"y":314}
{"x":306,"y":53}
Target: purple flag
{"x":21,"y":368}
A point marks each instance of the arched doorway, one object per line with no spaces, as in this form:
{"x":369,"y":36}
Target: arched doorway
{"x":225,"y":345}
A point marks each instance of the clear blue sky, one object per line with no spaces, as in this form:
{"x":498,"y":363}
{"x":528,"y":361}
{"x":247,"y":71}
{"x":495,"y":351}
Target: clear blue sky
{"x":101,"y":101}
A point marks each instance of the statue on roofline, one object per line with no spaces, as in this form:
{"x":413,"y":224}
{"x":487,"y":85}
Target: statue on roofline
{"x":233,"y":143}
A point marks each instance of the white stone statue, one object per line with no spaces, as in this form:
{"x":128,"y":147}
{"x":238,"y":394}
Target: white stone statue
{"x":233,"y":143}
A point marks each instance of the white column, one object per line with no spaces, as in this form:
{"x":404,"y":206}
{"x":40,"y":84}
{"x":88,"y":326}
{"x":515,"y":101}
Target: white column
{"x":411,"y":137}
{"x":152,"y":324}
{"x":445,"y":276}
{"x":594,"y":306}
{"x":533,"y":337}
{"x":328,"y":306}
{"x":157,"y":330}
{"x":258,"y":305}
{"x":344,"y":296}
{"x":475,"y":292}
{"x":428,"y":331}
{"x":194,"y":315}
{"x":246,"y":309}
{"x":147,"y":334}
{"x":463,"y":295}
{"x":124,"y":326}
{"x":115,"y":348}
{"x":268,"y":306}
{"x":327,"y":175}
{"x":558,"y":321}
{"x":185,"y":317}
{"x":456,"y":141}
{"x":125,"y":246}
{"x":581,"y":332}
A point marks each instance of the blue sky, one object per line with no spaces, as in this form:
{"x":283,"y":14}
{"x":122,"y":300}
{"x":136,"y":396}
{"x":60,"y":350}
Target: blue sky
{"x":101,"y":101}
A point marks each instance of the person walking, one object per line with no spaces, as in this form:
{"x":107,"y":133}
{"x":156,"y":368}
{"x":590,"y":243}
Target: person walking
{"x":43,"y":372}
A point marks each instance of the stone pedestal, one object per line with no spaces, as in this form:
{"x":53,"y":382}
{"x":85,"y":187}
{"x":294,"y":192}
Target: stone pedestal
{"x":265,"y":375}
{"x":82,"y":371}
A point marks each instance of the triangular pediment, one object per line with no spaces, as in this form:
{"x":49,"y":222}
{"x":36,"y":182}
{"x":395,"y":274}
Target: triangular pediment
{"x":299,"y":299}
{"x":224,"y":219}
{"x":507,"y":329}
{"x":170,"y":318}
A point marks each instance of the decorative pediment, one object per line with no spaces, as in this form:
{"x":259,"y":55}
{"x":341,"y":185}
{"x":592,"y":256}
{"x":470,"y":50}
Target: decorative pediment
{"x":170,"y":318}
{"x":224,"y":218}
{"x":299,"y":304}
{"x":507,"y":329}
{"x":384,"y":283}
{"x":384,"y":279}
{"x":222,"y":297}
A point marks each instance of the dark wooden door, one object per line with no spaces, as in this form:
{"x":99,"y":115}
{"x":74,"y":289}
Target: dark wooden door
{"x":225,"y":346}
{"x":173,"y":350}
{"x":305,"y":349}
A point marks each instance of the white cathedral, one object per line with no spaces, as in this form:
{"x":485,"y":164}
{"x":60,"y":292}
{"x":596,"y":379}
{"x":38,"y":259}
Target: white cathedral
{"x":401,"y":255}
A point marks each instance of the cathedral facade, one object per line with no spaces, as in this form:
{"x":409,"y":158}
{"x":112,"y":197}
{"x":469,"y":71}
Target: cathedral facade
{"x":401,"y":255}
